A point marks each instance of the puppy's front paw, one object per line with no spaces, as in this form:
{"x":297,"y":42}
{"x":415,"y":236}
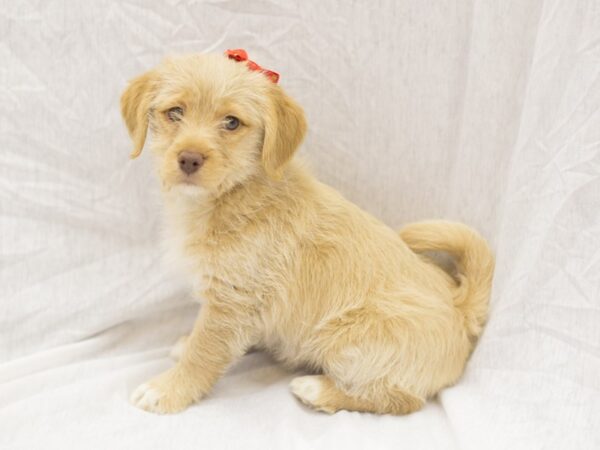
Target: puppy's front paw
{"x":145,"y":397}
{"x":165,"y":394}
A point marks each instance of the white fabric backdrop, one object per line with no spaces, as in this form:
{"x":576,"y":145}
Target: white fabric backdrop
{"x":478,"y":110}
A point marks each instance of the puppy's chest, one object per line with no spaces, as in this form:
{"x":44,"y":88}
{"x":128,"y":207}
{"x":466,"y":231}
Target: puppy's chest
{"x":206,"y":255}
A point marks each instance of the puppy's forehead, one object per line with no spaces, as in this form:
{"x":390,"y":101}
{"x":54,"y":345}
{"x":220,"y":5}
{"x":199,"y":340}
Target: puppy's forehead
{"x":211,"y":78}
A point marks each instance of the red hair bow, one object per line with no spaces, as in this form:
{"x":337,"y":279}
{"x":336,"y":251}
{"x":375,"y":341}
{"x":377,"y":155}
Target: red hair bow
{"x":241,"y":55}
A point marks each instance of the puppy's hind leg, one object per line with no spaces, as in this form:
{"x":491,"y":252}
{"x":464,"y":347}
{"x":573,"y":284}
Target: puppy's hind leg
{"x":321,"y":393}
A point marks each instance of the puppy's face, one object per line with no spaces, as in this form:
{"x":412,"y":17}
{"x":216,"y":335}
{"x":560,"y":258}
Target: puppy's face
{"x":214,"y":123}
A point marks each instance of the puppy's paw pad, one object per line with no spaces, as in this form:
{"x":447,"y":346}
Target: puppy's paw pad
{"x":178,"y":348}
{"x":146,"y":397}
{"x":307,"y":389}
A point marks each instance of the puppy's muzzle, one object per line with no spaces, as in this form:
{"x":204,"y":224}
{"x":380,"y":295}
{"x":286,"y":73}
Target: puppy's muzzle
{"x":190,"y":162}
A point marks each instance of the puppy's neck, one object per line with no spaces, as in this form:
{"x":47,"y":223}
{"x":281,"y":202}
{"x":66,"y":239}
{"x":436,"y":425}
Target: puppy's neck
{"x":246,"y":201}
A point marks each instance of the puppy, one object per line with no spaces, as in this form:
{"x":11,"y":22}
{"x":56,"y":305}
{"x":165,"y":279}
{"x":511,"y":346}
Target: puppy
{"x":287,"y":264}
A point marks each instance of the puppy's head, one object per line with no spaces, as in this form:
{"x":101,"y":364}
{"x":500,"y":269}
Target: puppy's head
{"x":214,"y":123}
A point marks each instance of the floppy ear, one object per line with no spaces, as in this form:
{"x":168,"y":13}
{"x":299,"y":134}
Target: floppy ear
{"x":135,"y":106}
{"x":285,"y":127}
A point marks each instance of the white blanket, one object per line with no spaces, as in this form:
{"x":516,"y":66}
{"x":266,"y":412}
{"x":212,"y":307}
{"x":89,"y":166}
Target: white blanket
{"x":482,"y":111}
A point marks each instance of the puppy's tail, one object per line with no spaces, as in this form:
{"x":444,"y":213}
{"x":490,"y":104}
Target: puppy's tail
{"x":474,"y":259}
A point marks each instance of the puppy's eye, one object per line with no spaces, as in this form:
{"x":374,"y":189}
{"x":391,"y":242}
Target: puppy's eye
{"x":231,"y":123}
{"x":175,"y":114}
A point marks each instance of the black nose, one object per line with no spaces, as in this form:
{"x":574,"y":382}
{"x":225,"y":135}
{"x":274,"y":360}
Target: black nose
{"x":190,"y":162}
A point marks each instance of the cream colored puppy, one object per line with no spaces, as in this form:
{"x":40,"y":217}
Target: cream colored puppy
{"x":286,"y":263}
